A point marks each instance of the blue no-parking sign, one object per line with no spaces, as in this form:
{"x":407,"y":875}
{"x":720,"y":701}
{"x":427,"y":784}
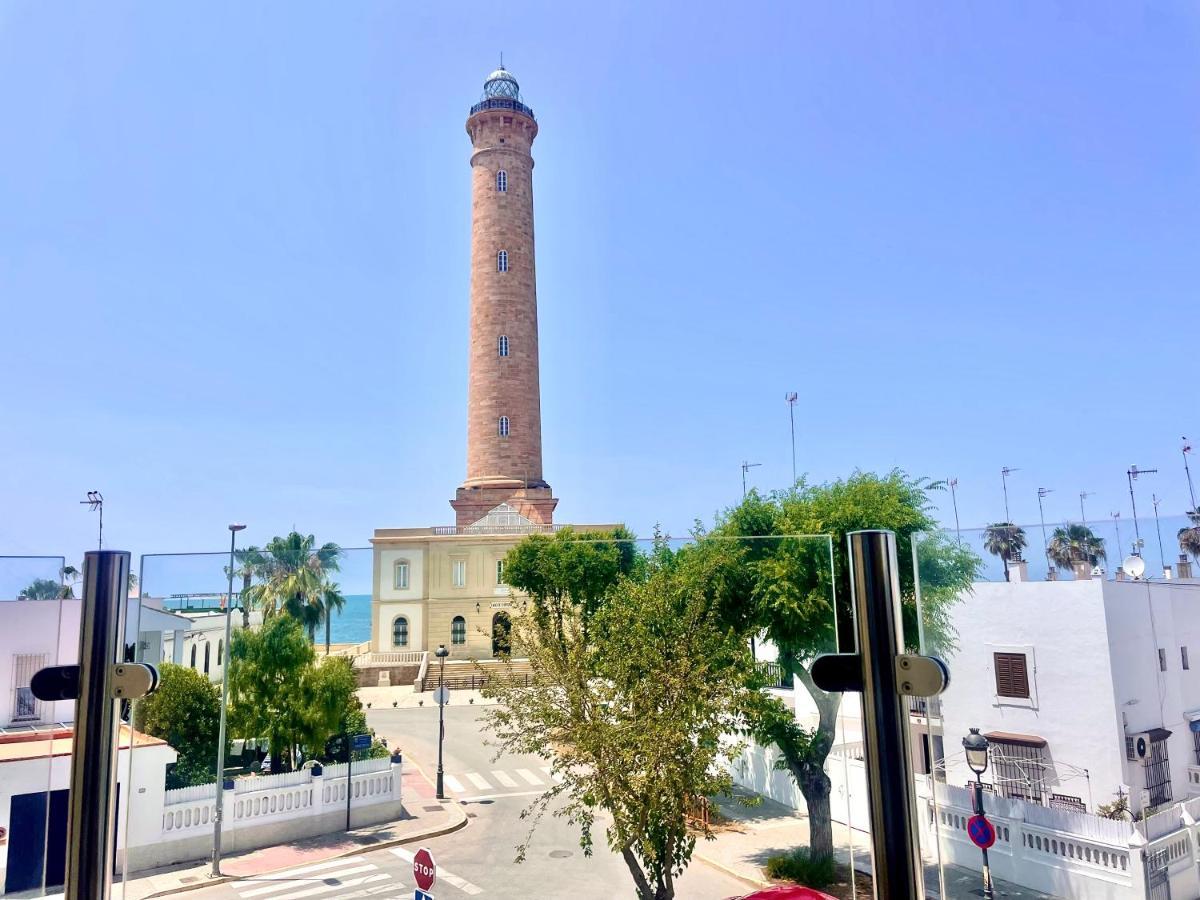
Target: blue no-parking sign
{"x":981,"y":832}
{"x":421,"y":895}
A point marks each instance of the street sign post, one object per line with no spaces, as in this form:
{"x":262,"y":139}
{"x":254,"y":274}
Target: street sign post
{"x":353,"y":743}
{"x":424,"y":869}
{"x":981,"y":832}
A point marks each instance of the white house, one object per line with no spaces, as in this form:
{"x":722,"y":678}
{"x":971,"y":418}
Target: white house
{"x":1084,"y":689}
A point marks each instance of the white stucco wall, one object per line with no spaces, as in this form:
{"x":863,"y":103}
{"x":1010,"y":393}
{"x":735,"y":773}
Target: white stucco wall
{"x":387,"y":613}
{"x":1061,"y":626}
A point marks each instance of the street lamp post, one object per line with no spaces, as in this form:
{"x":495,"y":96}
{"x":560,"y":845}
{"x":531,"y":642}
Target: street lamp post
{"x":217,"y":814}
{"x":1187,"y":448}
{"x":976,"y":747}
{"x":441,"y":653}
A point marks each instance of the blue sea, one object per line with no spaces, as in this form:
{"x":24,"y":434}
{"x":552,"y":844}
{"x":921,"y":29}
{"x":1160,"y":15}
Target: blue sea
{"x":353,"y":624}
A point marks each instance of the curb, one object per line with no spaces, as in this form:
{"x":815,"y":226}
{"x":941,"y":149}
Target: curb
{"x":461,"y":822}
{"x":729,"y":870}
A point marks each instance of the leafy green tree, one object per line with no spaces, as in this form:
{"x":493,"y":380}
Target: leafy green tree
{"x":279,"y":693}
{"x":1074,"y":544}
{"x":185,"y":712}
{"x":1005,"y":540}
{"x":784,"y":587}
{"x":41,"y":589}
{"x":293,"y":576}
{"x":69,"y":575}
{"x":353,"y":721}
{"x":1189,"y":541}
{"x":635,"y":682}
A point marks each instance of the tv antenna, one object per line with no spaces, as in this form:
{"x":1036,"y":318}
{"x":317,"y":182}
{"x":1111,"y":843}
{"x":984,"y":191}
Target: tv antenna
{"x":791,"y":399}
{"x":94,"y":502}
{"x":953,"y":483}
{"x":1083,"y":495}
{"x":1004,"y":473}
{"x":746,"y":467}
{"x":1132,"y":473}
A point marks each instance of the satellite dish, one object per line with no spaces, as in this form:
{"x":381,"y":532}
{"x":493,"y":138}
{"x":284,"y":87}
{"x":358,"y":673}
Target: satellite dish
{"x":1134,"y":566}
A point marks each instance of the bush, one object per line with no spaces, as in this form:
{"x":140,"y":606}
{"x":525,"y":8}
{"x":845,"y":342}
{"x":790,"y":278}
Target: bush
{"x":803,"y":868}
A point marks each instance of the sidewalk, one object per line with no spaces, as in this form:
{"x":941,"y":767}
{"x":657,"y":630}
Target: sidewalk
{"x":424,"y":817}
{"x":756,"y":833}
{"x":402,"y":696}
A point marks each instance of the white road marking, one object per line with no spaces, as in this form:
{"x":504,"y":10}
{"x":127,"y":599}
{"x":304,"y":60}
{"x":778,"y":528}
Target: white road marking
{"x":283,"y":880}
{"x":449,"y":877}
{"x":453,"y":783}
{"x":478,"y":780}
{"x":478,"y":797}
{"x":504,"y":778}
{"x":326,"y":888}
{"x":529,"y":776}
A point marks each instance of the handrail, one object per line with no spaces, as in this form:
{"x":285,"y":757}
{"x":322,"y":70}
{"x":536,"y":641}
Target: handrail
{"x":503,"y":103}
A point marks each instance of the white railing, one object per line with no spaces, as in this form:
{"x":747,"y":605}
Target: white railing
{"x":283,"y":796}
{"x":395,"y":658}
{"x":848,"y":750}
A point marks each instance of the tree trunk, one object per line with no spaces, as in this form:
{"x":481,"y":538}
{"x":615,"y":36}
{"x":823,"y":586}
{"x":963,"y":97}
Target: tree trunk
{"x":815,"y":786}
{"x":639,"y":877}
{"x":327,"y":634}
{"x":242,"y":600}
{"x":1004,"y":559}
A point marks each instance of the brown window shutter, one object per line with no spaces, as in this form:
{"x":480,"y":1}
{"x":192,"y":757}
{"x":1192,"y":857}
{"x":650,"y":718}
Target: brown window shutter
{"x":1012,"y":675}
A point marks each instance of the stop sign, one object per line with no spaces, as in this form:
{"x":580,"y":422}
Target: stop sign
{"x":424,"y":869}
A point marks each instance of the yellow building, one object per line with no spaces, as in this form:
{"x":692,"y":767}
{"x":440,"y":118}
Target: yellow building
{"x":445,"y":585}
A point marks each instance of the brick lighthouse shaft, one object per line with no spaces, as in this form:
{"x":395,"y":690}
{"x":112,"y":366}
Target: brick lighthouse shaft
{"x":504,"y":432}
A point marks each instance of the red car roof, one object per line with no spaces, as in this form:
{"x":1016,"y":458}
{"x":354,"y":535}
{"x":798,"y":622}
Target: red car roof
{"x":786,"y":892}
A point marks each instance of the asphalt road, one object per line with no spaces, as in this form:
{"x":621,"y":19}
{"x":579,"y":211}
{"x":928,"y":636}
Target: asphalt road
{"x":478,"y":860}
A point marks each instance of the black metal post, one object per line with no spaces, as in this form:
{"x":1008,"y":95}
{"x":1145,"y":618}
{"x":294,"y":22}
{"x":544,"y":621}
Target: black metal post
{"x":91,"y":818}
{"x":987,"y":872}
{"x":441,"y":791}
{"x":875,"y":588}
{"x":349,"y":782}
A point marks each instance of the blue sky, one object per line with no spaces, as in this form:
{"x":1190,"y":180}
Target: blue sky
{"x":234,"y":243}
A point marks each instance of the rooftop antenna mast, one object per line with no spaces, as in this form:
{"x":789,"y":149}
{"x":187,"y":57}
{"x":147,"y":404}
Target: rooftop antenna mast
{"x":1116,"y":517}
{"x":746,"y":466}
{"x":1162,"y":557}
{"x":1187,"y":448}
{"x":1132,"y":473}
{"x":791,"y":399}
{"x":95,"y":501}
{"x":1004,"y":473}
{"x":953,"y":482}
{"x":1083,"y":495}
{"x":1042,"y":492}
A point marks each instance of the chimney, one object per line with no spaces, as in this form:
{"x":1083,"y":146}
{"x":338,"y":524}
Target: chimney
{"x":1082,"y":570}
{"x":1185,"y":566}
{"x":1018,"y":570}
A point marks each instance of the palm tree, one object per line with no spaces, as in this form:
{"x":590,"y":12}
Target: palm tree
{"x":1189,"y":541}
{"x":1075,"y":544}
{"x":331,"y":602}
{"x":41,"y":589}
{"x":249,"y":562}
{"x":293,"y":578}
{"x":1005,"y":540}
{"x":69,"y":575}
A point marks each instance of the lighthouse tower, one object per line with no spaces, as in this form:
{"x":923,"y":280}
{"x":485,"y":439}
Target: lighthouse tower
{"x":504,"y":418}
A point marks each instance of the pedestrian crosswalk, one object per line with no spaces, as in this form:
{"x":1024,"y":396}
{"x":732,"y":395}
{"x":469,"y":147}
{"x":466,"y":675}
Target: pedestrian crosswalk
{"x":330,"y":878}
{"x":498,"y":782}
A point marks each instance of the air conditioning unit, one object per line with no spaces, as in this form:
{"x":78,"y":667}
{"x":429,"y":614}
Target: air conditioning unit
{"x":1139,"y":746}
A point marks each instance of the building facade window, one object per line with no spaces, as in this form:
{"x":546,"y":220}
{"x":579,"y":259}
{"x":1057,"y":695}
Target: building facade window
{"x":26,"y":707}
{"x":220,"y":651}
{"x":1196,"y":745}
{"x":502,"y":261}
{"x":458,"y":631}
{"x":503,"y":426}
{"x":207,"y":648}
{"x":458,"y":573}
{"x":1162,"y":660}
{"x":502,"y":181}
{"x":1183,"y":659}
{"x":400,"y":632}
{"x":1019,"y":768}
{"x":193,"y":656}
{"x":400,"y":575}
{"x":1012,"y":675}
{"x":1158,"y":774}
{"x":504,"y":345}
{"x":499,"y":571}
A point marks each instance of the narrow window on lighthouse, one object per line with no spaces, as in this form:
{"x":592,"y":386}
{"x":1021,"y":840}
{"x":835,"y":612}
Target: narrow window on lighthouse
{"x":502,"y":261}
{"x":504,"y":345}
{"x":502,"y":181}
{"x":504,"y":426}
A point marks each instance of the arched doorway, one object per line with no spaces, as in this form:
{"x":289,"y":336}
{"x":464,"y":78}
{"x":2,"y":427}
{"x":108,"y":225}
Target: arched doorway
{"x":501,"y":630}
